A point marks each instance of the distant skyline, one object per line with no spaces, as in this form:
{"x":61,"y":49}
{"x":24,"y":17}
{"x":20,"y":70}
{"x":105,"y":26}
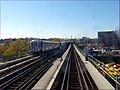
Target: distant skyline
{"x":60,"y":19}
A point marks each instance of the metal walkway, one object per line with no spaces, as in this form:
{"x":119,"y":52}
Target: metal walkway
{"x":100,"y":81}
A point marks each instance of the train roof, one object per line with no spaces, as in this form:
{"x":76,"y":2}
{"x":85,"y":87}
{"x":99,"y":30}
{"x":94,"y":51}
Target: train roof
{"x":44,"y":41}
{"x":36,"y":40}
{"x":62,"y":41}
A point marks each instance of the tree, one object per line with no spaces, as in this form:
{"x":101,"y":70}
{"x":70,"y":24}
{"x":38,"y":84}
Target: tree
{"x":2,"y":49}
{"x":56,"y":39}
{"x":9,"y":51}
{"x":17,"y":46}
{"x":101,"y":44}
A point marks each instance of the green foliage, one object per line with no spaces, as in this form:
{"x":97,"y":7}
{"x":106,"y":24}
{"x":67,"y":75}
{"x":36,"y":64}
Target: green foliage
{"x":17,"y":46}
{"x":2,"y":49}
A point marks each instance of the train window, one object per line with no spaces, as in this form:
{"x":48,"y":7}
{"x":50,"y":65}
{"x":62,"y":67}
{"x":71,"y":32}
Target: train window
{"x":39,"y":43}
{"x":31,"y":44}
{"x":35,"y":43}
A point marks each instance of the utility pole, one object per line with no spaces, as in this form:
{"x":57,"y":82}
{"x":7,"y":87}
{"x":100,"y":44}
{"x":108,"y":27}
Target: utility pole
{"x":71,"y":37}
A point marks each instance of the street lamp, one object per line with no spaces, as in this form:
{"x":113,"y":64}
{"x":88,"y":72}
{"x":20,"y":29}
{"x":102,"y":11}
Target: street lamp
{"x":116,"y":81}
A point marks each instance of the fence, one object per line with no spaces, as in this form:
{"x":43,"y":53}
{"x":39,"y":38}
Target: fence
{"x":101,"y":68}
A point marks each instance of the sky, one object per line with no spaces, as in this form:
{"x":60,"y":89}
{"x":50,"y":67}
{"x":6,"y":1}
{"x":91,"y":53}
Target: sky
{"x":61,"y":19}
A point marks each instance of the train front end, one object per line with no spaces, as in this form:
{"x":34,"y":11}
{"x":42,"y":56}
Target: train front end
{"x":35,"y":47}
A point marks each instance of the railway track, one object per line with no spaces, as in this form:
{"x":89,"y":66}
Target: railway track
{"x":76,"y":76}
{"x":14,"y":65}
{"x":13,"y":62}
{"x":10,"y":69}
{"x":27,"y":76}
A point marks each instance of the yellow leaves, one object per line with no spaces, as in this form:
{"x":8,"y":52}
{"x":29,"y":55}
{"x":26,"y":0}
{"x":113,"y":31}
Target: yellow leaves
{"x":17,"y":46}
{"x":2,"y":49}
{"x":56,"y":39}
{"x":9,"y":51}
{"x":101,"y":44}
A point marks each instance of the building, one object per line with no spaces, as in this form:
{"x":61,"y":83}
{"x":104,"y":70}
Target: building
{"x":108,"y":38}
{"x":118,"y":37}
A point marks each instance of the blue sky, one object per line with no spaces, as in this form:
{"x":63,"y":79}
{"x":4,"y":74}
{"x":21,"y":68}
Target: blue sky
{"x":63,"y":19}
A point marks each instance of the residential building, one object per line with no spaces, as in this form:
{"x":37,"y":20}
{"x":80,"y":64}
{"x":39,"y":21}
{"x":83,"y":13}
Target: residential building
{"x":108,"y":38}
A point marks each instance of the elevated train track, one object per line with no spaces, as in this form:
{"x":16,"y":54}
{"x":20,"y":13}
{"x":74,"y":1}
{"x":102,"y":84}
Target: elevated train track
{"x":14,"y":65}
{"x":13,"y":62}
{"x":76,"y":76}
{"x":25,"y":77}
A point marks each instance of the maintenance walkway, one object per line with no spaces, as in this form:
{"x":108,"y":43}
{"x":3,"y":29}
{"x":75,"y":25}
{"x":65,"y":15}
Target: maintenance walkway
{"x":98,"y":78}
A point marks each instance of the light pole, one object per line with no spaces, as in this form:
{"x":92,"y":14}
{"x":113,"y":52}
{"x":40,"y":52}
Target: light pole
{"x":116,"y":81}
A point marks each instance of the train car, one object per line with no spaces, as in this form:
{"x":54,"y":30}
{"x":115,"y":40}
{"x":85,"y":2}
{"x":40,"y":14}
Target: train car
{"x":40,"y":46}
{"x":36,"y":46}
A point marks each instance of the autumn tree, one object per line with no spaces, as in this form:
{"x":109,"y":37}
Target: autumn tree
{"x":17,"y":46}
{"x":101,"y":44}
{"x":2,"y":49}
{"x":56,"y":39}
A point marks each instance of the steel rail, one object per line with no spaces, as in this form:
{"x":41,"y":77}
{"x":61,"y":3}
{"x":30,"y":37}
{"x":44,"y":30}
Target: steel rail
{"x":68,"y":81}
{"x":12,"y":62}
{"x":19,"y":64}
{"x":79,"y":74}
{"x":84,"y":71}
{"x":73,"y":74}
{"x":87,"y":75}
{"x":81,"y":70}
{"x":19,"y":60}
{"x":19,"y":75}
{"x":17,"y":71}
{"x":27,"y":83}
{"x":90,"y":82}
{"x":66,"y":69}
{"x":12,"y":68}
{"x":75,"y":70}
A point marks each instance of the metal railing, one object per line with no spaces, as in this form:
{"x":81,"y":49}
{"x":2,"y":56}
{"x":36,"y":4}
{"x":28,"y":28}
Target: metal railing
{"x":101,"y":69}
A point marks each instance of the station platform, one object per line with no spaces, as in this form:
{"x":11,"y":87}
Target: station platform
{"x":48,"y":78}
{"x":98,"y":78}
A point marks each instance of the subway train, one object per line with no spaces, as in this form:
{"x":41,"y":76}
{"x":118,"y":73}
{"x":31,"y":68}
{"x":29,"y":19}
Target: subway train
{"x":38,"y":47}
